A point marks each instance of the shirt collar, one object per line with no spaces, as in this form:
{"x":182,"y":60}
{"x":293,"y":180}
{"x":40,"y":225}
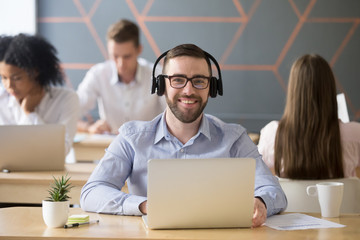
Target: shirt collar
{"x":162,"y":131}
{"x":205,"y":127}
{"x":115,"y":78}
{"x":12,"y":101}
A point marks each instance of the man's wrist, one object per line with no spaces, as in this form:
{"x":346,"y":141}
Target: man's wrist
{"x":142,"y":207}
{"x":262,"y":201}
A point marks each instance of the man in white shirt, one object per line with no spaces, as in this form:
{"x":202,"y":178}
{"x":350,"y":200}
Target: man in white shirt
{"x":120,"y":86}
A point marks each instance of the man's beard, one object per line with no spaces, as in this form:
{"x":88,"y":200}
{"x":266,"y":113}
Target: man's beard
{"x":187,"y":116}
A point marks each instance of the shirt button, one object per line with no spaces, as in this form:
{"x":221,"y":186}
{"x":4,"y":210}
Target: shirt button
{"x":182,"y":150}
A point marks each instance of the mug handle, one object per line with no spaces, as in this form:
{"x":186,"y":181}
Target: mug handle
{"x":312,"y":191}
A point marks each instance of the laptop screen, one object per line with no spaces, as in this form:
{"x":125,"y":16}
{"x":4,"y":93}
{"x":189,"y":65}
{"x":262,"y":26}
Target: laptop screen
{"x":32,"y":147}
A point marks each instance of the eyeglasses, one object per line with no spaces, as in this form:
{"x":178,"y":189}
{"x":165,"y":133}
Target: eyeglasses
{"x":180,"y":81}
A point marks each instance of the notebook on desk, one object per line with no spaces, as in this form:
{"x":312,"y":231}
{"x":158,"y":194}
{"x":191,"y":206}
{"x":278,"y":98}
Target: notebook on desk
{"x":32,"y":147}
{"x":200,"y":193}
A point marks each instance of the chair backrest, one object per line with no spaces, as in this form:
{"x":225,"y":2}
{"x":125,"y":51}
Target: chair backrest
{"x":299,"y":201}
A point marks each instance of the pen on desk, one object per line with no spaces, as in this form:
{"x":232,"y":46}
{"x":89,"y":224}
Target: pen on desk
{"x":78,"y":224}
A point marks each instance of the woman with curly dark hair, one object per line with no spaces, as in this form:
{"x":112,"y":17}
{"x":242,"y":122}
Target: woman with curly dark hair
{"x":31,"y":91}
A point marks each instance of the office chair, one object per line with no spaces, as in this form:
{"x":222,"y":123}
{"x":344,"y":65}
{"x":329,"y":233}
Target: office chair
{"x":299,"y":201}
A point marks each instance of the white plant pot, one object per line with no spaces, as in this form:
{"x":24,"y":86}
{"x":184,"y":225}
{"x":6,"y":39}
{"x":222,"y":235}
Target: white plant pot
{"x":55,"y":214}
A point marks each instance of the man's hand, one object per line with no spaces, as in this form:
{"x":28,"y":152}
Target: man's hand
{"x":82,"y":126}
{"x":143,"y":207}
{"x":99,"y":127}
{"x":260,"y":213}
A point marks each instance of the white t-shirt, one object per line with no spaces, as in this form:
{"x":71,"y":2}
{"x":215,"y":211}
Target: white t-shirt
{"x":119,"y":102}
{"x":58,"y":106}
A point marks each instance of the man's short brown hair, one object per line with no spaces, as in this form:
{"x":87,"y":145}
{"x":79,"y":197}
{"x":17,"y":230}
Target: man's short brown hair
{"x":189,"y":50}
{"x":124,"y":31}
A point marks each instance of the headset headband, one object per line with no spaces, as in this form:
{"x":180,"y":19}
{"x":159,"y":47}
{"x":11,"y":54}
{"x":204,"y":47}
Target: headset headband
{"x":219,"y":88}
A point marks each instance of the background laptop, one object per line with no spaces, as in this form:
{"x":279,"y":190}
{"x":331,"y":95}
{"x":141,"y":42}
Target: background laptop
{"x":342,"y":108}
{"x":32,"y":147}
{"x":200,"y":193}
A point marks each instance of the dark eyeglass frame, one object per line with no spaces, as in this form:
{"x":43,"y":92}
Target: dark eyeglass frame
{"x":187,"y":80}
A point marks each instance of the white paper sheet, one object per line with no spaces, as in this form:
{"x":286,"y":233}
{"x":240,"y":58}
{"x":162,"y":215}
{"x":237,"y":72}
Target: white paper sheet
{"x":298,"y":221}
{"x":93,"y":137}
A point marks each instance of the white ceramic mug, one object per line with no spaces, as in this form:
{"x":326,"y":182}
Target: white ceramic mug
{"x":330,"y":196}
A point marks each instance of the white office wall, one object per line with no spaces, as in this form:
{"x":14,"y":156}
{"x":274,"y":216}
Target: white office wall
{"x":17,"y":16}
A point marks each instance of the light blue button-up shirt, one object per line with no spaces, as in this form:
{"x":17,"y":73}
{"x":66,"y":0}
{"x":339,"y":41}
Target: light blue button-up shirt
{"x":138,"y":141}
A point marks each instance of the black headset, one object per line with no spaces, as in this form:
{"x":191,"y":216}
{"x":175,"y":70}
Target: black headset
{"x":158,"y":83}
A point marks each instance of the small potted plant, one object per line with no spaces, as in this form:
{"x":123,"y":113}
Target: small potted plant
{"x":56,"y":207}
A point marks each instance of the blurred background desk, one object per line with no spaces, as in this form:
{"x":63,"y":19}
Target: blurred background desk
{"x":91,"y":147}
{"x":31,"y":187}
{"x":254,"y":137}
{"x":27,"y":223}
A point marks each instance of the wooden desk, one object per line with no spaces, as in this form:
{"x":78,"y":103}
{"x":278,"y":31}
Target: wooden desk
{"x":27,"y":222}
{"x":31,"y":187}
{"x":88,"y":147}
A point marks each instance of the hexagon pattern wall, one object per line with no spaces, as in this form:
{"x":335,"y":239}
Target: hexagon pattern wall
{"x":255,"y":42}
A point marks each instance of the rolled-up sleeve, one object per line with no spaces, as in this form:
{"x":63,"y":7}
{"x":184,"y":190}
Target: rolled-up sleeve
{"x":267,"y":186}
{"x":102,"y":192}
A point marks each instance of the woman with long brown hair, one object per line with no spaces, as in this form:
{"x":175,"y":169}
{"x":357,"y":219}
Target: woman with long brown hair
{"x":309,"y":141}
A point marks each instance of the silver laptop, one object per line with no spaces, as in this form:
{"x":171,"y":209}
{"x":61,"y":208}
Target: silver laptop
{"x":200,"y":193}
{"x":32,"y":147}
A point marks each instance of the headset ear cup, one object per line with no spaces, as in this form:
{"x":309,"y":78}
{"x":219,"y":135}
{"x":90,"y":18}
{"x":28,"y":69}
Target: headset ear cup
{"x":160,"y":80}
{"x":219,"y":87}
{"x":213,"y":87}
{"x":158,"y":83}
{"x":154,"y":85}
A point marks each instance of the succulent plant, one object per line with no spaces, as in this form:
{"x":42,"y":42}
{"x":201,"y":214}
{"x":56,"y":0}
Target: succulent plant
{"x":59,"y":189}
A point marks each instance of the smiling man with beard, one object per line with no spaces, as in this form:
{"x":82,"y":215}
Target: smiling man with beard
{"x":182,"y":131}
